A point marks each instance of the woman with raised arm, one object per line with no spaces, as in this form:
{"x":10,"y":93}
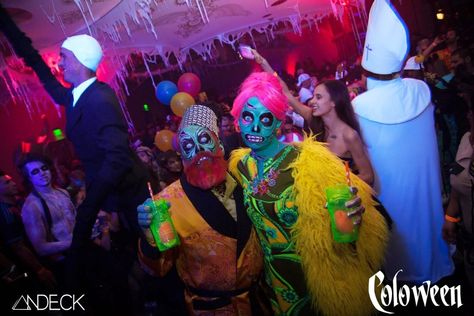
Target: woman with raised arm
{"x":331,"y":117}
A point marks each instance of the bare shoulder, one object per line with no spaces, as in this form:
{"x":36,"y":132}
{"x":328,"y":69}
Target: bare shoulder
{"x":63,"y":192}
{"x":31,"y":201}
{"x":31,"y":208}
{"x":350,"y":135}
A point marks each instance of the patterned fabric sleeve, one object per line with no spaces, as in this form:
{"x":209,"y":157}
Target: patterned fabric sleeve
{"x":152,"y":261}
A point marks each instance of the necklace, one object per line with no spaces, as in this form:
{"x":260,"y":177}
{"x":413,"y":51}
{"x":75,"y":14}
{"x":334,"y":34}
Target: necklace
{"x":261,"y":183}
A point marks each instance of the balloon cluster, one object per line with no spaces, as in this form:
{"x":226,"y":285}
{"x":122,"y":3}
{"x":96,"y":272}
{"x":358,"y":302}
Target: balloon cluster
{"x":179,"y":98}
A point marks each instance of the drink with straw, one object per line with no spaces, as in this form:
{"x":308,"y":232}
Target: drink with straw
{"x":342,"y":227}
{"x":161,"y":226}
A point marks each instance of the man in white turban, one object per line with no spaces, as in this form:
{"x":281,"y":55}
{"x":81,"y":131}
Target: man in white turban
{"x":80,"y":57}
{"x":396,"y":118}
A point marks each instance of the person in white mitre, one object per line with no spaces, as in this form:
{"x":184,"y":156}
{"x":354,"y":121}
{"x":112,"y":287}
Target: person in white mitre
{"x":396,"y":119}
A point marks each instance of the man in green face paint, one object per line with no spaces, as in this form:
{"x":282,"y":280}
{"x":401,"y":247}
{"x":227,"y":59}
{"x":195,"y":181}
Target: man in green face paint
{"x":283,"y":187}
{"x":219,"y":259}
{"x":203,"y":157}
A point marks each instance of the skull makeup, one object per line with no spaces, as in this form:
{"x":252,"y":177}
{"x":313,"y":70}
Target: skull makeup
{"x":201,"y":151}
{"x":258,"y":125}
{"x":194,"y":139}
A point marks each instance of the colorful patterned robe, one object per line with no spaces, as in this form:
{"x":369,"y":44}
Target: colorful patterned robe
{"x":218,"y":260}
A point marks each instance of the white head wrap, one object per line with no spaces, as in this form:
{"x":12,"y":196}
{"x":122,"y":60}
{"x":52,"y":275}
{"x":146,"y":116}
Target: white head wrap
{"x":86,"y":49}
{"x":386,"y":42}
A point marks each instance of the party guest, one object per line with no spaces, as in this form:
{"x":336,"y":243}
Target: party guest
{"x":154,"y":170}
{"x":229,"y":137}
{"x":115,"y":178}
{"x":95,"y":125}
{"x":330,"y":116}
{"x":284,"y":195}
{"x":219,"y":259}
{"x":458,"y":227}
{"x":12,"y":236}
{"x":304,"y":83}
{"x":396,"y":117}
{"x":48,"y":213}
{"x":171,"y":167}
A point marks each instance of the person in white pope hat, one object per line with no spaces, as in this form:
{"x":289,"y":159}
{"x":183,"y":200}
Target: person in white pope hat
{"x":396,"y":118}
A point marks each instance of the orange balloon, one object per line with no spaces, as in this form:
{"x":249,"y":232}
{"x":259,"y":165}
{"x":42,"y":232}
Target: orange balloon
{"x":180,"y":102}
{"x":164,"y":140}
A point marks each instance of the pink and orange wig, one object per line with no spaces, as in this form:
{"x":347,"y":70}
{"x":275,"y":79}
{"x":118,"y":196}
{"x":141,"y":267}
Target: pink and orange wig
{"x":267,"y":89}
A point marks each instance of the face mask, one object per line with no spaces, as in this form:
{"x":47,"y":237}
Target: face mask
{"x":194,"y":139}
{"x":258,"y":125}
{"x":203,"y":157}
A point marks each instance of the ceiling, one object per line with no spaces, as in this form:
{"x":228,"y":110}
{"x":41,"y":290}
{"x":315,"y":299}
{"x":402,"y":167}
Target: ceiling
{"x":171,"y":29}
{"x":160,"y":26}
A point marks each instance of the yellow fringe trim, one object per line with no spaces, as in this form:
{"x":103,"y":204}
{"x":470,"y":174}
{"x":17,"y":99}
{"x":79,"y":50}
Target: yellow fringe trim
{"x":336,"y":275}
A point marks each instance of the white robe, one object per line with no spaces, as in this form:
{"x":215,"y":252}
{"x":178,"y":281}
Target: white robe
{"x":397,"y":123}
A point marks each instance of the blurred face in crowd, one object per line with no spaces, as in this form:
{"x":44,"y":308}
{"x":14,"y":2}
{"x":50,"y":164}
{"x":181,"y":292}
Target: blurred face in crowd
{"x":174,"y":165}
{"x":203,"y":157}
{"x":456,"y":60}
{"x":451,"y":36}
{"x":321,"y":102}
{"x":287,"y":128}
{"x":227,"y":126}
{"x":38,"y":173}
{"x":306,"y":84}
{"x":144,"y":156}
{"x":7,"y":186}
{"x":422,"y":45}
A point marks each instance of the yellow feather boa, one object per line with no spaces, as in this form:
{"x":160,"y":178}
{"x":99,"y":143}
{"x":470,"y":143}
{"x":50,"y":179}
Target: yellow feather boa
{"x":336,"y":274}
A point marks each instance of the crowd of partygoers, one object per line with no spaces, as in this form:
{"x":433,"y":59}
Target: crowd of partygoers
{"x":245,"y":183}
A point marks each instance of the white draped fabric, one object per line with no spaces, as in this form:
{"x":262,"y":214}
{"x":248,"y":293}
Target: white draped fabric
{"x":397,"y":122}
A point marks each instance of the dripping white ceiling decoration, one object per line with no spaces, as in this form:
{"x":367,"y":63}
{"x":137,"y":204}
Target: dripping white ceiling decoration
{"x":159,"y":27}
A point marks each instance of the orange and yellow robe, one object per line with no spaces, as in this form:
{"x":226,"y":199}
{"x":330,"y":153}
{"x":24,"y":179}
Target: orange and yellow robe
{"x":219,"y":259}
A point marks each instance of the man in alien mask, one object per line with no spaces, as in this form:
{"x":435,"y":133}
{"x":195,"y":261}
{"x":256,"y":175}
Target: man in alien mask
{"x":284,"y":189}
{"x":219,"y":259}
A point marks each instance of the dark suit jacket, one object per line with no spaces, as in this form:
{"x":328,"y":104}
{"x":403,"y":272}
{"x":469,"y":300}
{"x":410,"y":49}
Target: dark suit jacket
{"x":97,"y":128}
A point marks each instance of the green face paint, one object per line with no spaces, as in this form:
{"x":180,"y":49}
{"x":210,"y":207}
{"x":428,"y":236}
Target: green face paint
{"x":194,"y":139}
{"x":258,"y":127}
